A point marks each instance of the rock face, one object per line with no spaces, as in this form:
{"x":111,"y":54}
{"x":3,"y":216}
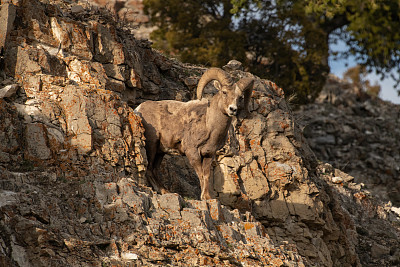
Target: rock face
{"x":92,"y":222}
{"x":72,"y":163}
{"x":129,"y":12}
{"x":357,"y":134}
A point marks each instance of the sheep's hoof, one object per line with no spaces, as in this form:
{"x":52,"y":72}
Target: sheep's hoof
{"x":205,"y":196}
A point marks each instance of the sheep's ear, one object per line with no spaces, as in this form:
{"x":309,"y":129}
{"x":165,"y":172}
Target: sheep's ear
{"x":246,"y":85}
{"x":217,"y":85}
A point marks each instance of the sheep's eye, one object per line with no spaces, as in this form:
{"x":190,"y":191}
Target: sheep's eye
{"x":224,"y":92}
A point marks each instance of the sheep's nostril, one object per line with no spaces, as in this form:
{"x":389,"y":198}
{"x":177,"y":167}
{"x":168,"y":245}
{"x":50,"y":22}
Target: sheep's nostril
{"x":232,"y":110}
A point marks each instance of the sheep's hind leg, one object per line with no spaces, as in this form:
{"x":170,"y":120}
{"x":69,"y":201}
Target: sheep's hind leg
{"x":154,"y":161}
{"x":156,"y":173}
{"x":152,"y":179}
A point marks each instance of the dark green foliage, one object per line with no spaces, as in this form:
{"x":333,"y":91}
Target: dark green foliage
{"x":370,"y":28}
{"x":284,"y":41}
{"x":293,"y":56}
{"x":196,"y":31}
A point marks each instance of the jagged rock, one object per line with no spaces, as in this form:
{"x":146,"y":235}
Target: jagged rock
{"x":136,"y":234}
{"x":10,"y":133}
{"x":8,"y":90}
{"x":7,"y":198}
{"x":77,"y":9}
{"x":37,"y":146}
{"x":372,"y":222}
{"x":131,"y":13}
{"x":233,"y":65}
{"x":357,"y":134}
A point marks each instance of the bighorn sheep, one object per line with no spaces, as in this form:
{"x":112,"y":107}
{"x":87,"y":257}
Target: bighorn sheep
{"x":197,"y":128}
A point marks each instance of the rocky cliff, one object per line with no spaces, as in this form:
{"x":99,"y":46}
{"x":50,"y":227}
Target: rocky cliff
{"x":358,"y":134}
{"x":72,"y":162}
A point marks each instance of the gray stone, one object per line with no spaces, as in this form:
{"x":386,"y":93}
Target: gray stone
{"x":228,"y":232}
{"x":115,"y":85}
{"x":233,"y":65}
{"x":36,"y":141}
{"x":171,"y":201}
{"x":137,"y":201}
{"x":357,"y":134}
{"x":325,"y":140}
{"x":191,"y":82}
{"x":5,"y":157}
{"x":192,"y":216}
{"x":215,"y":209}
{"x":7,"y":198}
{"x":107,"y":49}
{"x":77,"y":9}
{"x":9,"y":90}
{"x":347,"y":178}
{"x":19,"y":255}
{"x":377,"y":251}
{"x":115,"y":72}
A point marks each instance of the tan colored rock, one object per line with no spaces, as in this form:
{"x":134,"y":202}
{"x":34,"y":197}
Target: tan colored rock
{"x":171,"y":202}
{"x":77,"y":9}
{"x":7,"y":17}
{"x":107,"y":49}
{"x":26,"y":63}
{"x":77,"y":123}
{"x":224,"y":179}
{"x":36,"y":142}
{"x":134,"y":79}
{"x":8,"y":91}
{"x":74,"y":39}
{"x":254,"y":182}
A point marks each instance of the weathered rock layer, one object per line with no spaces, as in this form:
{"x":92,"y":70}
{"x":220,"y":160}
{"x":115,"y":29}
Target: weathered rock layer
{"x":358,"y":134}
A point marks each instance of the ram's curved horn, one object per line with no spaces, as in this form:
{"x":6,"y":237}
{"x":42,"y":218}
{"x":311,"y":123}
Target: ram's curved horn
{"x":246,"y":86}
{"x":212,"y":74}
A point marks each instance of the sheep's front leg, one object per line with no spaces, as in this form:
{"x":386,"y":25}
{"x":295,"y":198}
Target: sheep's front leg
{"x":197,"y":163}
{"x":205,"y":185}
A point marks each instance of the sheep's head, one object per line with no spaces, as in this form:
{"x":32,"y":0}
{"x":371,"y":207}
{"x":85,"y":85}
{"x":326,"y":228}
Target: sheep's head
{"x":229,"y":92}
